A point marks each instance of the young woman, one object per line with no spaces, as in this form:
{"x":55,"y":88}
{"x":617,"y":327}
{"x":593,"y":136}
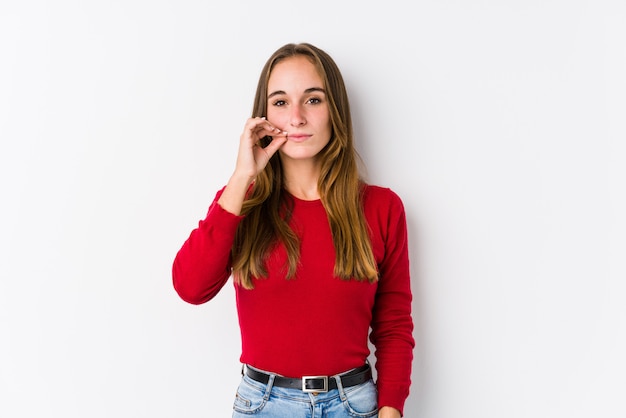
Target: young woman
{"x":317,"y":256}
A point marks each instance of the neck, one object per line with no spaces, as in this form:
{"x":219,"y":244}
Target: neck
{"x":300,"y":178}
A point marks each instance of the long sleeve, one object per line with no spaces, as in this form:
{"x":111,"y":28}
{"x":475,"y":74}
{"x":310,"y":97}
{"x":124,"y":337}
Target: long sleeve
{"x":203,"y":264}
{"x":392,"y":324}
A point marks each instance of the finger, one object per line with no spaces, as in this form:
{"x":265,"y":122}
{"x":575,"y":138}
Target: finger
{"x":277,"y":142}
{"x":253,"y":127}
{"x":259,"y":123}
{"x":259,"y":132}
{"x":266,"y":125}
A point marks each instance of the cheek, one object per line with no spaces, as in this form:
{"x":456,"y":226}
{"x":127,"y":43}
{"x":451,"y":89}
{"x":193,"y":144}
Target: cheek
{"x":275,"y":118}
{"x":329,"y":126}
{"x":326,"y":118}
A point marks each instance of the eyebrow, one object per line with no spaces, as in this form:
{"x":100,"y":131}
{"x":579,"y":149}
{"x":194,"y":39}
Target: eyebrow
{"x":307,"y":91}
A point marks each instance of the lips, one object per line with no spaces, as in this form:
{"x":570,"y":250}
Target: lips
{"x":298,"y":137}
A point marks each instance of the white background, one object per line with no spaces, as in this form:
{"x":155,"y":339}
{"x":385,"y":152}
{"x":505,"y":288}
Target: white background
{"x":501,"y":124}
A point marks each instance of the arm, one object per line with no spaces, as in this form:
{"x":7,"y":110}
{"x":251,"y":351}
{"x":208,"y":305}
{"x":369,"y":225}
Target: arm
{"x":392,"y":324}
{"x":202,"y":266}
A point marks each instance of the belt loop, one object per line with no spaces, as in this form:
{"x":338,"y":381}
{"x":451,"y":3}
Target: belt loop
{"x":268,"y":388}
{"x":342,"y":394}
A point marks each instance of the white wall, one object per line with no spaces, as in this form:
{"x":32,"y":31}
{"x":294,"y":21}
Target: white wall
{"x":500,"y":123}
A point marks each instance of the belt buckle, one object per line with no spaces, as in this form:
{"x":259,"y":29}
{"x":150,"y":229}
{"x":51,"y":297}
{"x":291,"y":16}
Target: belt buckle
{"x":308,"y":385}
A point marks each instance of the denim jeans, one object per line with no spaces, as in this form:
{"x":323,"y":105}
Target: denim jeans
{"x":260,"y":400}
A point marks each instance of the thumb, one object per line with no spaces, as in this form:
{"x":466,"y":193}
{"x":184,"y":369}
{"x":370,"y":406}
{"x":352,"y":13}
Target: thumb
{"x":277,"y":142}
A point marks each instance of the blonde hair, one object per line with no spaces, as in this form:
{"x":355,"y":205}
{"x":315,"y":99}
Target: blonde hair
{"x":267,"y":208}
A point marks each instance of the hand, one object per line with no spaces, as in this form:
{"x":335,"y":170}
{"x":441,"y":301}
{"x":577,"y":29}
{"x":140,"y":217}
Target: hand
{"x":252,"y":158}
{"x":388,"y":412}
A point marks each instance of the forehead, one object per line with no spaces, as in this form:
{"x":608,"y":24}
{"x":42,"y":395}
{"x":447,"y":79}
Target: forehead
{"x":294,"y":72}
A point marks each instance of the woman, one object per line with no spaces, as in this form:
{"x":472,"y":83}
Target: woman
{"x":317,"y":256}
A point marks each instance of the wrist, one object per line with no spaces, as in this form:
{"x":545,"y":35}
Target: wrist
{"x":240,"y":178}
{"x":234,"y":193}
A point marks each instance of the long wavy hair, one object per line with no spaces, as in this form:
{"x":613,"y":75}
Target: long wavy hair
{"x":267,"y":207}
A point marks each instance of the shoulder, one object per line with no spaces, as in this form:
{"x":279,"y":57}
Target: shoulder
{"x":385,"y":215}
{"x":382,"y":204}
{"x":381,"y":196}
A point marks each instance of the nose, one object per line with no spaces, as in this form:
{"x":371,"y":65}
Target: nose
{"x":297,"y":116}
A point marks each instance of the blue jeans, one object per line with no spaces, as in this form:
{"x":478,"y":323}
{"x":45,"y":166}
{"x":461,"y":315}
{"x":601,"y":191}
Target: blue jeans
{"x":260,"y":400}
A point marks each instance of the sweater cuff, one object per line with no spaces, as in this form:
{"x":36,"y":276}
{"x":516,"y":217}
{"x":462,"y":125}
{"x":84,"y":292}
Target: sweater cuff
{"x":392,"y":395}
{"x":222,"y":219}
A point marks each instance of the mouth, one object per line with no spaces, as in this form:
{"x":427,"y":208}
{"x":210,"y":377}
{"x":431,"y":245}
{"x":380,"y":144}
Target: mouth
{"x":298,"y":137}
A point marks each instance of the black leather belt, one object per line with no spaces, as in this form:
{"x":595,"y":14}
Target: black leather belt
{"x":313,"y":383}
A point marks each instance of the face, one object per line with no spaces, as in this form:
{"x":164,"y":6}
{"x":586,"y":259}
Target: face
{"x":297,"y":104}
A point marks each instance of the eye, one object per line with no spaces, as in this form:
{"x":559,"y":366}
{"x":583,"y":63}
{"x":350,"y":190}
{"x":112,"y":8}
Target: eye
{"x":278,"y":103}
{"x":314,"y":100}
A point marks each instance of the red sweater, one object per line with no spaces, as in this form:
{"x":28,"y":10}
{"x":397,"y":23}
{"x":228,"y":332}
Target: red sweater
{"x":315,"y":324}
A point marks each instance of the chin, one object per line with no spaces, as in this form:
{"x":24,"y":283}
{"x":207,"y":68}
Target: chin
{"x":300,"y":154}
